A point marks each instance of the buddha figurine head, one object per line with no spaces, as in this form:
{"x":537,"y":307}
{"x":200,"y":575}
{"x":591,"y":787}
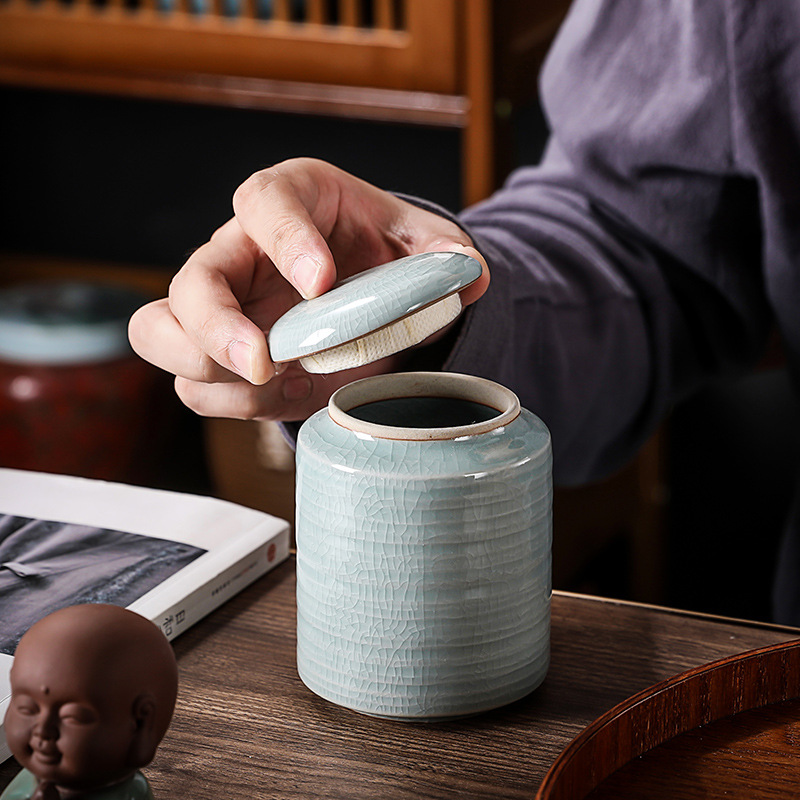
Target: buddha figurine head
{"x":93,"y":688}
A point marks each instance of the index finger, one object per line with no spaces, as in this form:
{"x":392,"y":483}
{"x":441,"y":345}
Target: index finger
{"x":274,"y":208}
{"x":203,"y":297}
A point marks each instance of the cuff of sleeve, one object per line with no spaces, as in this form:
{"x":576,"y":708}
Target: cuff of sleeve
{"x":290,"y":431}
{"x":482,"y":331}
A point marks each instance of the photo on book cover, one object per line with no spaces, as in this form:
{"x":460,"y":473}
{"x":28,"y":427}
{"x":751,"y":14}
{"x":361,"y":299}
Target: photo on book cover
{"x":46,"y":565}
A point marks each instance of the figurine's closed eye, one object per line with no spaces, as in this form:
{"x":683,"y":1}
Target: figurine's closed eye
{"x":25,"y":705}
{"x":77,"y":714}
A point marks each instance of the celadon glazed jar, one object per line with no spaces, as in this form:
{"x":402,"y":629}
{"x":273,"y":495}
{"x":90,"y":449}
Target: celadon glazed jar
{"x":423,"y":509}
{"x":423,"y":547}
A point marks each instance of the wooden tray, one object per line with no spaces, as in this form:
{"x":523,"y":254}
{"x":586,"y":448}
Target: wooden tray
{"x":728,"y":729}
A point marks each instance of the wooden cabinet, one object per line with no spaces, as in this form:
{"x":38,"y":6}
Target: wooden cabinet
{"x":452,"y":63}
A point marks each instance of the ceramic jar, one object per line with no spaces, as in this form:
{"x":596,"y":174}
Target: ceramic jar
{"x":423,"y":547}
{"x":73,"y":396}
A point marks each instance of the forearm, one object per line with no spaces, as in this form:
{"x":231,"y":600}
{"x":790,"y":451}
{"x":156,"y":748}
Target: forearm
{"x":574,"y":321}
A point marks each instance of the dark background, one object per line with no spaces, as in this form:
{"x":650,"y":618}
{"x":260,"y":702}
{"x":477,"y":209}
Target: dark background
{"x":141,"y":182}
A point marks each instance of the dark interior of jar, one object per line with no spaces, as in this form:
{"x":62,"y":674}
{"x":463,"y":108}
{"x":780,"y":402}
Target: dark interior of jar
{"x":423,"y":412}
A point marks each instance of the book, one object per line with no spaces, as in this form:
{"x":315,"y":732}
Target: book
{"x":169,"y":556}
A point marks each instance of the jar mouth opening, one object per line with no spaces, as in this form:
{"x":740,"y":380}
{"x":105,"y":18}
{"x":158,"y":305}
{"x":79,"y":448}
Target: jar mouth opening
{"x":423,"y":406}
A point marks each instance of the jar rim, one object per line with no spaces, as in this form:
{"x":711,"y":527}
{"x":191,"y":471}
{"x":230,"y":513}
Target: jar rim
{"x":449,"y":385}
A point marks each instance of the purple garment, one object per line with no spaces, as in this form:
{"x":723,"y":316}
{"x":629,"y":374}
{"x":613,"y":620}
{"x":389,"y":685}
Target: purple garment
{"x":659,"y":239}
{"x":658,"y":242}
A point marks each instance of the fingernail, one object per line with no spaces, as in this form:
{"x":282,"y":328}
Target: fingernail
{"x":241,"y":357}
{"x":304,"y":274}
{"x":297,"y":389}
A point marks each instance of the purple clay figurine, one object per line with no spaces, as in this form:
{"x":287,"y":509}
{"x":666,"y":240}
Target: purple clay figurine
{"x":93,"y":688}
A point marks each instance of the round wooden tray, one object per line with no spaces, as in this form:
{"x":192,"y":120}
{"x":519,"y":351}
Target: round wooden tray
{"x":728,"y":729}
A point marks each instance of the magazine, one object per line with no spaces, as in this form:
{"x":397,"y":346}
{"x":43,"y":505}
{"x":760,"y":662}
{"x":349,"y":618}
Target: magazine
{"x":169,"y":556}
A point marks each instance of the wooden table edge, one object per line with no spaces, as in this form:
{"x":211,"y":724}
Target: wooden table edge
{"x":718,"y":618}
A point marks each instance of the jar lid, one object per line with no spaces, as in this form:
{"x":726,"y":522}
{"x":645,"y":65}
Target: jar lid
{"x":374,"y":314}
{"x":65,"y":322}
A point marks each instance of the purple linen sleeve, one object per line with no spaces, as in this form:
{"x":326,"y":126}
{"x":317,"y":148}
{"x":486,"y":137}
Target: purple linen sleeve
{"x":625,"y":266}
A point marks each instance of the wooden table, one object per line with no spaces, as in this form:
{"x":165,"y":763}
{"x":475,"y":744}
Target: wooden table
{"x":246,"y":727}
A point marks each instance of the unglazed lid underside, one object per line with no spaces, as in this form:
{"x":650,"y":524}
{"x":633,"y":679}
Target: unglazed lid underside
{"x":375,"y":313}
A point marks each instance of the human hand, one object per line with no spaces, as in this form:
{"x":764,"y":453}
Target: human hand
{"x":297,"y":228}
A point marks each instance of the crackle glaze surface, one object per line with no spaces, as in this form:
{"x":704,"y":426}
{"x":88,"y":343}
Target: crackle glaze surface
{"x":423,"y":568}
{"x":369,"y":301}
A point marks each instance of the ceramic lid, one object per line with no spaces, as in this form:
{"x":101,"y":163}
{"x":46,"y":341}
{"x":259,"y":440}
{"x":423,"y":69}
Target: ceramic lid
{"x":375,"y":313}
